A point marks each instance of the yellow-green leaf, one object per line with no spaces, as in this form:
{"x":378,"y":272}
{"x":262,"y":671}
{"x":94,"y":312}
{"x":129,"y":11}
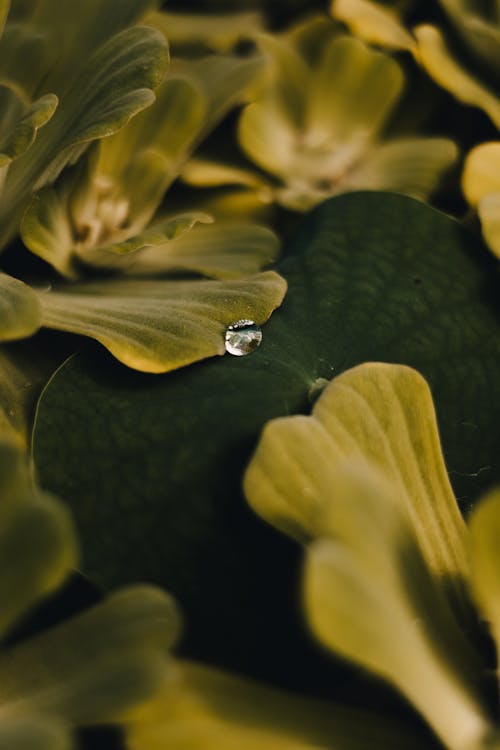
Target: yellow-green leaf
{"x":352,"y":93}
{"x":371,"y":617}
{"x":20,"y":312}
{"x":203,"y":708}
{"x":481,"y":186}
{"x":223,"y":250}
{"x":485,"y":559}
{"x":156,"y":326}
{"x":379,"y":413}
{"x":410,"y":165}
{"x":20,"y":136}
{"x":34,"y":733}
{"x":435,"y":56}
{"x":37,"y":545}
{"x":374,"y":23}
{"x":217,"y":31}
{"x":92,"y":667}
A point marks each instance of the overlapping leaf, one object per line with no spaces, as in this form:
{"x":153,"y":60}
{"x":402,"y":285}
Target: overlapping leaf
{"x":371,"y":277}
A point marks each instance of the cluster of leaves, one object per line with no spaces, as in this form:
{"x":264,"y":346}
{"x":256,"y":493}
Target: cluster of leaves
{"x":152,"y":162}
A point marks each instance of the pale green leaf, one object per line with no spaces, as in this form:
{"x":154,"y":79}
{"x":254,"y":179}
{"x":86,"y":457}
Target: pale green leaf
{"x":477,"y":25}
{"x":78,"y":29}
{"x":92,"y":667}
{"x":369,"y":618}
{"x":481,"y":187}
{"x":206,"y":709}
{"x":66,"y":226}
{"x":435,"y":56}
{"x":33,"y":733}
{"x":158,"y":233}
{"x":20,"y":136}
{"x":267,"y":137}
{"x":201,"y":172}
{"x":37,"y":546}
{"x":289,"y":76}
{"x":352,"y":93}
{"x":489,"y":213}
{"x":4,"y":11}
{"x":145,"y":157}
{"x":223,"y":250}
{"x":376,"y":24}
{"x":378,"y":413}
{"x":115,"y":84}
{"x":364,"y":478}
{"x":216,"y":31}
{"x":20,"y":313}
{"x":481,"y":175}
{"x":26,"y":56}
{"x":170,"y":127}
{"x":156,"y":326}
{"x":485,"y":559}
{"x":47,"y":231}
{"x":225,"y":80}
{"x":410,"y":165}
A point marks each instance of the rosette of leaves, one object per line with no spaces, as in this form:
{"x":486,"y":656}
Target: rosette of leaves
{"x":464,"y":58}
{"x":392,"y":574}
{"x":97,"y":216}
{"x":83,"y":671}
{"x":319,"y":125}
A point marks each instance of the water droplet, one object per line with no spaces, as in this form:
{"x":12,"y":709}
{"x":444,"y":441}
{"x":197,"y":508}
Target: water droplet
{"x":242,"y":337}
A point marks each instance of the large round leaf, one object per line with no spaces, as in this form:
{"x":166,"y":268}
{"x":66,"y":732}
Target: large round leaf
{"x":152,"y":465}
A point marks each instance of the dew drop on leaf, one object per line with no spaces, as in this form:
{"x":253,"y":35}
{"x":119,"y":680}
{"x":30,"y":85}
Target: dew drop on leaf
{"x":242,"y":337}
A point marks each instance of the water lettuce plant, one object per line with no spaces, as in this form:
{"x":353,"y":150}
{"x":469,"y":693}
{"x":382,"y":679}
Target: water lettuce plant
{"x":154,"y":163}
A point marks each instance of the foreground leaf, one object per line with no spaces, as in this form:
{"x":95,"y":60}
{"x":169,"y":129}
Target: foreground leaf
{"x":371,"y":278}
{"x":210,"y":710}
{"x":90,"y":667}
{"x":156,"y":326}
{"x":31,"y":522}
{"x":376,"y":413}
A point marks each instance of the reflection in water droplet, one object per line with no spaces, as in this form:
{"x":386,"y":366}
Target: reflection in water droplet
{"x":243,"y":337}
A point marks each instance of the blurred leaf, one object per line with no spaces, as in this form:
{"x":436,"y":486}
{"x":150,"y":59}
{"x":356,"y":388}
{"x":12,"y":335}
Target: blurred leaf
{"x":26,"y":57}
{"x":481,"y":187}
{"x":204,"y":708}
{"x":92,"y":666}
{"x":29,"y":733}
{"x":437,"y":59}
{"x":226,"y":81}
{"x":217,"y":31}
{"x":485,"y":559}
{"x":371,"y":277}
{"x":376,"y":24}
{"x":37,"y":545}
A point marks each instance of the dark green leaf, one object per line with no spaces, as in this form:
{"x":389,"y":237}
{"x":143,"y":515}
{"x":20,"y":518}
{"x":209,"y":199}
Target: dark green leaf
{"x":152,"y":465}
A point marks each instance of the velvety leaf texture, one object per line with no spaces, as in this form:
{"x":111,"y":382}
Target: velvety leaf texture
{"x":371,"y":277}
